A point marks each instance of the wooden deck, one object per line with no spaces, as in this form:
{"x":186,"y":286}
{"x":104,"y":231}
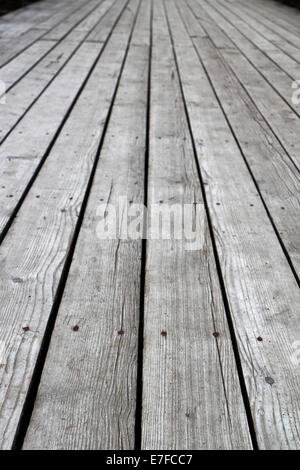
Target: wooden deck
{"x":144,"y":343}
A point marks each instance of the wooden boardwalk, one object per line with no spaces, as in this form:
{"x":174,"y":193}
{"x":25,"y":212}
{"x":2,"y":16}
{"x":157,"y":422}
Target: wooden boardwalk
{"x":144,"y":342}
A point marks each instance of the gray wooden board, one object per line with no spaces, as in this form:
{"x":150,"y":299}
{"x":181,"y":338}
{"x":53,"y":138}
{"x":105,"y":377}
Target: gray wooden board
{"x":280,"y":49}
{"x":64,"y":27}
{"x":67,"y":9}
{"x":281,"y":13}
{"x":99,"y":32}
{"x":280,"y":34}
{"x":93,"y":406}
{"x":263,"y":153}
{"x":249,"y":35}
{"x":10,"y":47}
{"x":19,"y":66}
{"x":191,"y":392}
{"x":283,"y":121}
{"x":263,"y":295}
{"x":92,"y":19}
{"x":24,"y":148}
{"x":34,"y":250}
{"x":21,"y":97}
{"x":19,"y":21}
{"x":275,"y":15}
{"x":275,"y":67}
{"x":25,"y":61}
{"x":14,"y":70}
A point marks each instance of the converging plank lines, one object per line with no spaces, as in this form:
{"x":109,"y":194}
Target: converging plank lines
{"x":149,"y":225}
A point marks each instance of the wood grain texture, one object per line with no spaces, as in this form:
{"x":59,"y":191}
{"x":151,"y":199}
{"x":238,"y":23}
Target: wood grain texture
{"x":191,"y":392}
{"x":274,"y":66}
{"x":280,"y":117}
{"x":64,"y":12}
{"x":263,"y":295}
{"x":85,"y":13}
{"x":88,"y":401}
{"x":99,"y":32}
{"x":18,"y":67}
{"x":279,"y":12}
{"x":185,"y":104}
{"x":11,"y":47}
{"x":17,"y":22}
{"x":23,"y":95}
{"x":268,"y":54}
{"x":15,"y":69}
{"x":24,"y":148}
{"x":34,"y":251}
{"x":279,"y":34}
{"x":262,"y":151}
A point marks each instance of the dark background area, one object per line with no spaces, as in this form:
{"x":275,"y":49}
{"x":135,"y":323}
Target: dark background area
{"x":295,"y":3}
{"x":9,"y":5}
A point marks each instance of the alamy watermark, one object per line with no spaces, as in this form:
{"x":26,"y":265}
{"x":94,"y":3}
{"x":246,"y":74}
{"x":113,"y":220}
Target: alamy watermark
{"x":2,"y":353}
{"x":129,"y":221}
{"x":296,"y":93}
{"x":2,"y":92}
{"x":295,"y":357}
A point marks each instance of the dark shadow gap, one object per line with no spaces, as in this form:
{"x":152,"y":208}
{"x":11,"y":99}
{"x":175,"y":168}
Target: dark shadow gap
{"x":139,"y":391}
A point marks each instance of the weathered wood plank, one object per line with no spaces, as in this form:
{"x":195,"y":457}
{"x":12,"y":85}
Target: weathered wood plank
{"x":24,"y":94}
{"x":11,"y":47}
{"x":253,"y":28}
{"x":92,"y":19}
{"x":262,"y":151}
{"x":275,"y":67}
{"x":34,"y":251}
{"x":277,"y":10}
{"x":249,"y":35}
{"x":191,"y":392}
{"x":18,"y":67}
{"x":281,"y":118}
{"x":64,"y":27}
{"x":25,"y":61}
{"x":263,"y":295}
{"x":282,"y":35}
{"x":246,"y":139}
{"x":19,"y":21}
{"x":65,"y":10}
{"x":26,"y":146}
{"x":99,"y":32}
{"x":97,"y":408}
{"x":288,"y":16}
